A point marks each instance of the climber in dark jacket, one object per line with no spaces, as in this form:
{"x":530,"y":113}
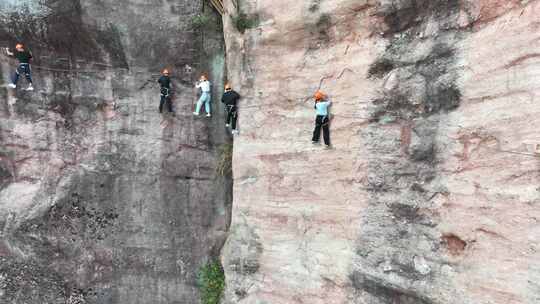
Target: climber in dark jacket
{"x":24,"y":58}
{"x":322,"y":120}
{"x":165,"y":84}
{"x":230,"y":99}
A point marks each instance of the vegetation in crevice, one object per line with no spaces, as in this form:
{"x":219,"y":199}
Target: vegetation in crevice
{"x":243,"y":21}
{"x":200,"y":21}
{"x":211,"y":282}
{"x":224,"y":165}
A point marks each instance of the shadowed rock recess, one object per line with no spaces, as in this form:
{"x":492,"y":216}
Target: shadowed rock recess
{"x":103,"y":199}
{"x":430,"y":192}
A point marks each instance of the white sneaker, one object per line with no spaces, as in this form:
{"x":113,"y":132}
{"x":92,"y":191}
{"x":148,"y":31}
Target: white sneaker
{"x":208,"y":115}
{"x":227,"y":125}
{"x":195,"y":113}
{"x":234,"y":132}
{"x":12,"y":85}
{"x":30,"y":88}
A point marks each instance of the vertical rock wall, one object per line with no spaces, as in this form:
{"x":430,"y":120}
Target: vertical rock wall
{"x":430,"y":193}
{"x":103,"y":199}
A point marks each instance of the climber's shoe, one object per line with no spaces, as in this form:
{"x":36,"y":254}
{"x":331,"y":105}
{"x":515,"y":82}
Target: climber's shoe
{"x":328,"y":147}
{"x":208,"y":115}
{"x":234,"y":132}
{"x":12,"y":85}
{"x":195,"y":113}
{"x":227,"y":125}
{"x":315,"y":142}
{"x":30,"y":88}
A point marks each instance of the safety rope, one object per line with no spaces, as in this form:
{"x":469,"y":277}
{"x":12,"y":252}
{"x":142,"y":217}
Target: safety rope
{"x":74,"y":70}
{"x":515,"y":152}
{"x":240,"y":107}
{"x":71,"y":70}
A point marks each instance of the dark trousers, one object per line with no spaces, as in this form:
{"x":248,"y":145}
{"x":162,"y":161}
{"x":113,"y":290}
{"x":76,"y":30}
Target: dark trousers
{"x":165,"y":100}
{"x":23,"y":68}
{"x":232,"y":116}
{"x":321,"y":122}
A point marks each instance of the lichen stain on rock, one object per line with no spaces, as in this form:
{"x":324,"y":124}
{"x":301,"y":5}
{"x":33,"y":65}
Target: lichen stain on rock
{"x":23,"y":282}
{"x":243,"y":251}
{"x":419,"y":85}
{"x":76,"y":217}
{"x":385,"y":293}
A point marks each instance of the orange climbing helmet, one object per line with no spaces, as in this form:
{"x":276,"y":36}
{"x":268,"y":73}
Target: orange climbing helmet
{"x":319,"y":95}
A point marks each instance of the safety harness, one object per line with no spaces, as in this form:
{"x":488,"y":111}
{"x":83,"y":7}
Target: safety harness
{"x":165,"y":92}
{"x":232,"y":109}
{"x":25,"y":66}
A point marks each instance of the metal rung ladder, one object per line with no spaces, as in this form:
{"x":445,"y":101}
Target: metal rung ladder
{"x":218,"y":4}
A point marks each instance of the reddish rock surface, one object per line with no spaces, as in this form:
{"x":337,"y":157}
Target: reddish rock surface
{"x":431,"y":191}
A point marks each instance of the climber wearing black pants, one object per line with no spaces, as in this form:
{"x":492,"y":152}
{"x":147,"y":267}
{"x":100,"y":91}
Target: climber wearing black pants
{"x":322,"y":120}
{"x":165,"y":83}
{"x":230,"y":99}
{"x":24,"y":58}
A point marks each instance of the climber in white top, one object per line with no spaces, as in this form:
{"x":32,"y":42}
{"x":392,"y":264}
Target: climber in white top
{"x":206,"y":96}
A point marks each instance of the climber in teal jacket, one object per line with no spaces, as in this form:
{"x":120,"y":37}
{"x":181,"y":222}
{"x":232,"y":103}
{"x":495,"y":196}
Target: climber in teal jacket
{"x":322,"y":119}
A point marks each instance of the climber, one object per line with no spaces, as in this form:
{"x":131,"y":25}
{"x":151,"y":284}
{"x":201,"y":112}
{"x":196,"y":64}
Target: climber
{"x":165,"y":83}
{"x":230,"y":98}
{"x":205,"y":98}
{"x":24,"y":57}
{"x":322,"y":120}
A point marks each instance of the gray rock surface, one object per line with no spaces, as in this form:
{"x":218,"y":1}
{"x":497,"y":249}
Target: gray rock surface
{"x":103,"y":199}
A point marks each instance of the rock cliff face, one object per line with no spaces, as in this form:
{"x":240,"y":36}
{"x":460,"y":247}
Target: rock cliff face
{"x":430,"y":193}
{"x":103,"y":199}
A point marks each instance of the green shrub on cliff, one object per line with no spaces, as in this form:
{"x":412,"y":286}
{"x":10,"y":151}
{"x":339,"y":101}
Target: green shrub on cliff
{"x":211,"y":282}
{"x":242,"y":22}
{"x":200,"y":21}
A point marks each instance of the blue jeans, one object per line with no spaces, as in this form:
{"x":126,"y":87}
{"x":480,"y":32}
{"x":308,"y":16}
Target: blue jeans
{"x":23,"y":68}
{"x":205,"y":99}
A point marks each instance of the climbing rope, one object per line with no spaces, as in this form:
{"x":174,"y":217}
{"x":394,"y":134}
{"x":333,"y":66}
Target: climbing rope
{"x":74,"y":70}
{"x":515,"y":152}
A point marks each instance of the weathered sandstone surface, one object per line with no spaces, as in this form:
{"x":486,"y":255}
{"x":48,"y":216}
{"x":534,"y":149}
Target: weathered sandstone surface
{"x":431,"y":191}
{"x":102,"y":199}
